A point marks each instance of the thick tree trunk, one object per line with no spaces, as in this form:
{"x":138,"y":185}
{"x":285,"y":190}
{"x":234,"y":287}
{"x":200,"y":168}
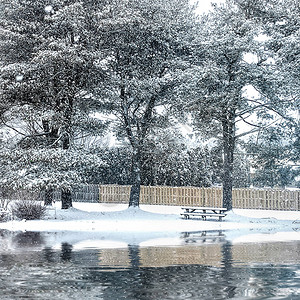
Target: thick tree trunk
{"x":228,"y":149}
{"x":48,"y":197}
{"x":134,"y":256}
{"x":66,"y":199}
{"x":136,"y":138}
{"x":134,"y":199}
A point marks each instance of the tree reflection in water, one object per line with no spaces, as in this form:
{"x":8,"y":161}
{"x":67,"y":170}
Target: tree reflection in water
{"x":66,"y":251}
{"x":227,"y":270}
{"x":205,"y":267}
{"x":28,"y":239}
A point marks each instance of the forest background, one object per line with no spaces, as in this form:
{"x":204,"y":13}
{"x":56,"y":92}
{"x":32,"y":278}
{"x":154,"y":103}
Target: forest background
{"x":148,"y":92}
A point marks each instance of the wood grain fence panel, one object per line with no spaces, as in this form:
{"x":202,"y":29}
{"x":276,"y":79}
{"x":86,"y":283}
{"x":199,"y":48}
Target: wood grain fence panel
{"x":143,"y":196}
{"x":206,"y":200}
{"x":292,"y":202}
{"x":244,"y":199}
{"x":296,"y":198}
{"x":241,"y":198}
{"x":178,"y":196}
{"x":279,"y":196}
{"x":165,"y":195}
{"x":234,"y":198}
{"x":195,"y":196}
{"x":275,"y":199}
{"x":252,"y":198}
{"x":258,"y":195}
{"x":210,"y":197}
{"x":248,"y":197}
{"x":287,"y":196}
{"x":285,"y":200}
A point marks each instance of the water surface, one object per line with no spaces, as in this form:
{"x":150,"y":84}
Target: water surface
{"x":205,"y":265}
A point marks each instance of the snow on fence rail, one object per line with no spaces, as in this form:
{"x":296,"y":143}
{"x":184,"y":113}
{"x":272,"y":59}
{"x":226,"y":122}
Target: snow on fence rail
{"x":277,"y":199}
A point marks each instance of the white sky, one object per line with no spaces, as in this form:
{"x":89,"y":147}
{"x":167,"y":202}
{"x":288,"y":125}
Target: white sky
{"x":205,"y":5}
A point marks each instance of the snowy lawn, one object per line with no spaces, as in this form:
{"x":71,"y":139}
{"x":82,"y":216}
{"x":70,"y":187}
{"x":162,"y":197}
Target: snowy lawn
{"x":95,"y":225}
{"x":98,"y":217}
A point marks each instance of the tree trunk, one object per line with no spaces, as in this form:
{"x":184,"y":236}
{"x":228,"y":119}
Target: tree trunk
{"x":134,"y":199}
{"x":66,"y":196}
{"x":66,"y":199}
{"x":228,"y":149}
{"x":48,"y":197}
{"x":51,"y":137}
{"x":134,"y":256}
{"x":227,"y":270}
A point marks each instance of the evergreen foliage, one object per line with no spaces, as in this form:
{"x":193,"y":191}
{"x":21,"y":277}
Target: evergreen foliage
{"x":72,"y":72}
{"x":232,"y":61}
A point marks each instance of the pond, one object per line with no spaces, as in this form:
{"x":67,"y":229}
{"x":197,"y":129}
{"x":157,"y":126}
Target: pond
{"x":203,"y":265}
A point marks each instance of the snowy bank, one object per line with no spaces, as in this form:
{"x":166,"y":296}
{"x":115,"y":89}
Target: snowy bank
{"x":148,"y":218}
{"x":116,"y":225}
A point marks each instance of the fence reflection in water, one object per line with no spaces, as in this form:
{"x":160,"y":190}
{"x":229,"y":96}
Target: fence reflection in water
{"x":205,"y":265}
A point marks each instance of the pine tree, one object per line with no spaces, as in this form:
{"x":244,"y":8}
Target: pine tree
{"x":277,"y":147}
{"x":233,"y":60}
{"x":147,"y":47}
{"x":49,"y":67}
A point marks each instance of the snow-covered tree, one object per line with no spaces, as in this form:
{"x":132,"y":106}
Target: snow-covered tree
{"x":274,"y":156}
{"x":166,"y":160}
{"x":147,"y":47}
{"x":276,"y":149}
{"x":35,"y":168}
{"x":236,"y":79}
{"x":48,"y":68}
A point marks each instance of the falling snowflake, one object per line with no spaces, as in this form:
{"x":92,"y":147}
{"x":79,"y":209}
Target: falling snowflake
{"x":49,"y":9}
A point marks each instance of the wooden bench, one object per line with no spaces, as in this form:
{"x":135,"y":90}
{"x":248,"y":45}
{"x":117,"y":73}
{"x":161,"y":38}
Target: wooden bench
{"x":203,"y":212}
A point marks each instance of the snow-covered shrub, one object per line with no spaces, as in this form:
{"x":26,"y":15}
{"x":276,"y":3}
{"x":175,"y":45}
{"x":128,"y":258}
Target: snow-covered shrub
{"x":4,"y":215}
{"x":4,"y":203}
{"x":29,"y":210}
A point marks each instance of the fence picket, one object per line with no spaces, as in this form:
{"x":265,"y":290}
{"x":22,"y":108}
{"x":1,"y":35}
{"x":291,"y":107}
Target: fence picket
{"x":196,"y":196}
{"x":275,"y":199}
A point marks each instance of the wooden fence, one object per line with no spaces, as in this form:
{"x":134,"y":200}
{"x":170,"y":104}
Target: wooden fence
{"x":276,"y":199}
{"x":81,"y":193}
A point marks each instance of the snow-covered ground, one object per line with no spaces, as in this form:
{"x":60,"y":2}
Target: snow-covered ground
{"x":116,"y":225}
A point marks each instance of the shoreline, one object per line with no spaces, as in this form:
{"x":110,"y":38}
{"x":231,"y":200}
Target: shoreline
{"x":101,"y":226}
{"x":148,"y":218}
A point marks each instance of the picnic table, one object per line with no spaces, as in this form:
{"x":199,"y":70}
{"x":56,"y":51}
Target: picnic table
{"x":203,"y":212}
